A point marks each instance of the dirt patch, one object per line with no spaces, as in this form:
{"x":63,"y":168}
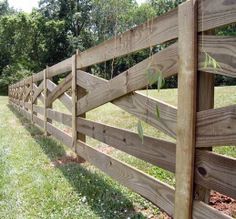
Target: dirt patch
{"x":67,"y":160}
{"x":223,"y":203}
{"x":106,"y":149}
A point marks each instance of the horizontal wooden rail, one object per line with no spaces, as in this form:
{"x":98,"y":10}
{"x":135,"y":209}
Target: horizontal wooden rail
{"x":133,"y":79}
{"x":214,"y":127}
{"x":205,"y":164}
{"x":38,"y":109}
{"x":216,"y":172}
{"x":213,"y":171}
{"x":63,"y":118}
{"x":59,"y":135}
{"x":157,"y":31}
{"x":154,"y":151}
{"x":217,"y":127}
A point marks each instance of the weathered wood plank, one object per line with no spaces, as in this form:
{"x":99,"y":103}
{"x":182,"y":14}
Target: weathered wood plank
{"x":157,"y":192}
{"x":200,"y":210}
{"x":216,"y":127}
{"x":205,"y":100}
{"x":60,"y":89}
{"x":27,"y":94}
{"x":186,"y":113}
{"x":59,"y":135}
{"x":74,"y":89}
{"x":212,"y":14}
{"x":38,"y":76}
{"x":40,"y":96}
{"x":216,"y":172}
{"x":38,"y":109}
{"x":204,"y":211}
{"x":88,"y":81}
{"x":59,"y":68}
{"x":139,"y":105}
{"x":60,"y":117}
{"x":145,"y":109}
{"x":37,"y":91}
{"x":222,"y":49}
{"x":38,"y":121}
{"x":65,"y":98}
{"x":130,"y":80}
{"x":154,"y":151}
{"x":157,"y":31}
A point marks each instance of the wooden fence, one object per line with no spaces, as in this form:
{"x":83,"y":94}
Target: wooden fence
{"x":196,"y":126}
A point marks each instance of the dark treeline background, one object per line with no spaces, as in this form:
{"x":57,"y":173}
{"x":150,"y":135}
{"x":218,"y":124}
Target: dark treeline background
{"x":53,"y":31}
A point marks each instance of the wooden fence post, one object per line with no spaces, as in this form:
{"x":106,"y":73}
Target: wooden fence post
{"x":77,"y":92}
{"x":31,"y":98}
{"x":45,"y":76}
{"x":186,"y":115}
{"x":205,"y":101}
{"x":74,"y":101}
{"x":24,"y":95}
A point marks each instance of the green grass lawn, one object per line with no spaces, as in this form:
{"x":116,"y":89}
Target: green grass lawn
{"x":33,"y":184}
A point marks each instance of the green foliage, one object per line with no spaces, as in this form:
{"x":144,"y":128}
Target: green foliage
{"x":157,"y":112}
{"x":57,"y":28}
{"x":211,"y":62}
{"x":155,"y":76}
{"x":140,"y":130}
{"x":12,"y":74}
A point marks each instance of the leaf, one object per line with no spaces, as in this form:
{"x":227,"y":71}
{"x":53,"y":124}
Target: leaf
{"x":140,"y":130}
{"x":206,"y":60}
{"x":152,"y":77}
{"x":157,"y":112}
{"x":211,"y":62}
{"x":161,"y":81}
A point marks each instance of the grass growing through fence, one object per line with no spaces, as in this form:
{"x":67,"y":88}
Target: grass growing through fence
{"x":33,"y":183}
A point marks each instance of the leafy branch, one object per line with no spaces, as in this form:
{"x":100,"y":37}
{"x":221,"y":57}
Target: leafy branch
{"x":153,"y":76}
{"x":210,"y":62}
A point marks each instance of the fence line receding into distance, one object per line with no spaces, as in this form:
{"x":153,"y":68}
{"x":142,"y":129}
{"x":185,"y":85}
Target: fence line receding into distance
{"x":196,"y":126}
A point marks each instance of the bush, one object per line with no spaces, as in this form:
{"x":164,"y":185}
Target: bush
{"x":12,"y":74}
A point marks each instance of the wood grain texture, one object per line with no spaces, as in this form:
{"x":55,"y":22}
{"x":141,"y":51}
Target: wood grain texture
{"x":38,"y":77}
{"x":60,"y":89}
{"x":222,"y":49}
{"x":216,"y":172}
{"x":205,"y":100}
{"x":212,"y":14}
{"x":63,"y":118}
{"x":89,"y":81}
{"x":60,"y":135}
{"x":37,"y":91}
{"x":139,"y":105}
{"x":144,"y":108}
{"x":204,"y":211}
{"x":130,"y":80}
{"x":65,"y":99}
{"x":38,"y":109}
{"x":200,"y":210}
{"x":45,"y":93}
{"x":59,"y":68}
{"x":74,"y":90}
{"x":154,"y":151}
{"x":186,"y":113}
{"x":157,"y":192}
{"x":216,"y":127}
{"x":38,"y":121}
{"x":40,"y":96}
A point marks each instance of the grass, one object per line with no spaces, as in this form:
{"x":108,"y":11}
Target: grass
{"x":32,"y":186}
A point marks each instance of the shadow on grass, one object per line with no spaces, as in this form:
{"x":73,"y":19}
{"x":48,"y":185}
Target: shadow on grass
{"x":105,"y":200}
